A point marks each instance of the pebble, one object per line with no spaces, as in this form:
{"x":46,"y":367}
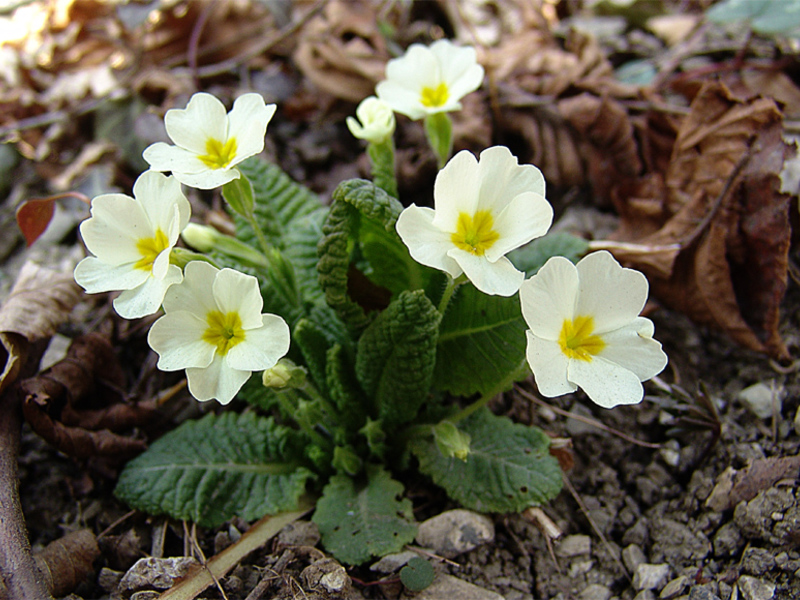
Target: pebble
{"x":632,"y":557}
{"x":728,"y":540}
{"x":759,"y":398}
{"x":595,"y":591}
{"x":574,"y":545}
{"x":645,"y":595}
{"x":650,"y":577}
{"x":392,"y":562}
{"x":757,"y":561}
{"x":755,"y":589}
{"x":455,"y":531}
{"x":447,"y":586}
{"x":300,"y":533}
{"x":698,"y":592}
{"x":674,"y":588}
{"x":159,"y":573}
{"x":797,"y":421}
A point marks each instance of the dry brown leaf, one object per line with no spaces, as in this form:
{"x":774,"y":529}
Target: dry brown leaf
{"x":734,"y":486}
{"x":67,"y":562}
{"x":342,"y":52}
{"x":721,"y":253}
{"x":75,"y":405}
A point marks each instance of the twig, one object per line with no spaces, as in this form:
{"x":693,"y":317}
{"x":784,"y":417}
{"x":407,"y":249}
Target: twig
{"x":587,"y":420}
{"x":116,"y":523}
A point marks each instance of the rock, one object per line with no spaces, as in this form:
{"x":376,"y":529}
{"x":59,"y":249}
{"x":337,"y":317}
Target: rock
{"x":159,"y":573}
{"x":645,"y":595}
{"x":797,"y":421}
{"x":757,"y":561}
{"x":455,"y":532}
{"x":447,"y":586}
{"x":755,"y":589}
{"x":638,"y":533}
{"x":574,"y":545}
{"x":392,"y":563}
{"x":328,"y":575}
{"x":632,"y":557}
{"x":728,"y":541}
{"x":650,"y":577}
{"x":757,"y":517}
{"x":763,"y":399}
{"x":108,"y":579}
{"x":595,"y":592}
{"x":674,"y":588}
{"x":676,"y":544}
{"x":699,"y":592}
{"x":299,"y":533}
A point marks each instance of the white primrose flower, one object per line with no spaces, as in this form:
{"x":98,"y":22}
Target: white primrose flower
{"x":430,"y":79}
{"x":482,"y":210}
{"x":213,"y":328}
{"x":376,"y":118}
{"x":131,"y":239}
{"x":585,"y":330}
{"x":208,"y":142}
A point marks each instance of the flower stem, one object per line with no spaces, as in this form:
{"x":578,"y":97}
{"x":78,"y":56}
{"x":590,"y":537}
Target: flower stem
{"x":439,"y":131}
{"x":382,"y":158}
{"x":447,"y":295}
{"x":502,"y":386}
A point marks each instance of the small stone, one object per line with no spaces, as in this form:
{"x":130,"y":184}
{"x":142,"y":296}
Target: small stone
{"x":797,"y":421}
{"x":108,"y":579}
{"x":699,"y":592}
{"x":645,"y":595}
{"x":326,"y":574}
{"x":757,"y":561}
{"x":160,"y":573}
{"x":638,"y":533}
{"x":574,"y":545}
{"x":632,"y":557}
{"x":392,"y":563}
{"x":145,"y":595}
{"x":650,"y":577}
{"x":595,"y":592}
{"x":580,"y":567}
{"x":455,"y":531}
{"x":299,"y":533}
{"x":755,"y":589}
{"x":447,"y":586}
{"x":674,"y":588}
{"x":763,"y":399}
{"x":728,"y":541}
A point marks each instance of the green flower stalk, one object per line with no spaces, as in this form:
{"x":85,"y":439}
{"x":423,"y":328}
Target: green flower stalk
{"x":376,"y":125}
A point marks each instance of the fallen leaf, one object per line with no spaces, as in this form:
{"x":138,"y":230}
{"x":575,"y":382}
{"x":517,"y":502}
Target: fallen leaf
{"x":735,"y":486}
{"x":34,"y":216}
{"x":67,"y":562}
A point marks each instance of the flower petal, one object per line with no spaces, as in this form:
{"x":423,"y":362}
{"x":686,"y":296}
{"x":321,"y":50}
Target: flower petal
{"x":237,"y":292}
{"x":401,"y":99}
{"x":633,"y":348}
{"x":606,"y":383}
{"x":163,"y":202}
{"x":427,"y":244}
{"x":455,"y":190}
{"x":611,"y":294}
{"x":203,"y":118}
{"x":216,"y":382}
{"x":248,"y":125}
{"x":548,"y":298}
{"x":459,"y":68}
{"x":208,"y":179}
{"x":502,"y":179}
{"x":147,"y":298}
{"x":416,"y":69}
{"x":526,"y":217}
{"x":195,"y":293}
{"x":262,"y":347}
{"x":163,"y":157}
{"x":177,"y":337}
{"x":499,"y":278}
{"x":116,"y":225}
{"x":95,"y":276}
{"x":549,"y":366}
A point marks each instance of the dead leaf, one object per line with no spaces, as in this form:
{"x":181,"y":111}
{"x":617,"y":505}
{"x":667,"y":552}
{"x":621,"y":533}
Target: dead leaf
{"x":734,"y":486}
{"x":76,"y":406}
{"x":342,"y":51}
{"x":33,"y":217}
{"x":721,"y":253}
{"x":67,"y":562}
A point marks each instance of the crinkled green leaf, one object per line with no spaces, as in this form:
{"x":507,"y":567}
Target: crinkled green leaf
{"x":481,"y":342}
{"x":395,"y":357}
{"x":210,"y":470}
{"x":508,"y":469}
{"x":344,"y":390}
{"x":360,"y":519}
{"x":531,"y":257}
{"x":313,"y":346}
{"x":361,"y":224}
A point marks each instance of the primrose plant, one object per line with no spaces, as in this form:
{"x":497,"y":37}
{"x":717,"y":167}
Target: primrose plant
{"x":380,"y":333}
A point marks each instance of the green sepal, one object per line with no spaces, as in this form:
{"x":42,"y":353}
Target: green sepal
{"x":439,"y":131}
{"x":508,"y":469}
{"x":395,"y":357}
{"x":481,"y":342}
{"x":361,"y":519}
{"x":531,"y":257}
{"x":211,"y":470}
{"x":238,"y":193}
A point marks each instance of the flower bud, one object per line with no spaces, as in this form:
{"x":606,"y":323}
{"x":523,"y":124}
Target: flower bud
{"x":451,"y":441}
{"x":285,"y":374}
{"x":377,"y":121}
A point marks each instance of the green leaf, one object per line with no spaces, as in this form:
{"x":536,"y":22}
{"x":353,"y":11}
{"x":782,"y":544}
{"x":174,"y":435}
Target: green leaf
{"x":395,"y":357}
{"x":481,"y":342}
{"x":509,"y":467}
{"x":210,"y":470}
{"x":361,"y":520}
{"x":362,"y":221}
{"x":531,"y":257}
{"x":313,"y":346}
{"x":417,"y":575}
{"x":344,"y":390}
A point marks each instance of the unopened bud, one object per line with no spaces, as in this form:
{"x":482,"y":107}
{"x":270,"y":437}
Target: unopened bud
{"x":451,"y":441}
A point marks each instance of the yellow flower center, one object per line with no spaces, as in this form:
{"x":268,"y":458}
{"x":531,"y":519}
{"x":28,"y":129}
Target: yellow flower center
{"x":224,"y":330}
{"x":219,"y":155}
{"x":150,"y":248}
{"x":433,"y":97}
{"x":576,"y":339}
{"x":475,"y":233}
